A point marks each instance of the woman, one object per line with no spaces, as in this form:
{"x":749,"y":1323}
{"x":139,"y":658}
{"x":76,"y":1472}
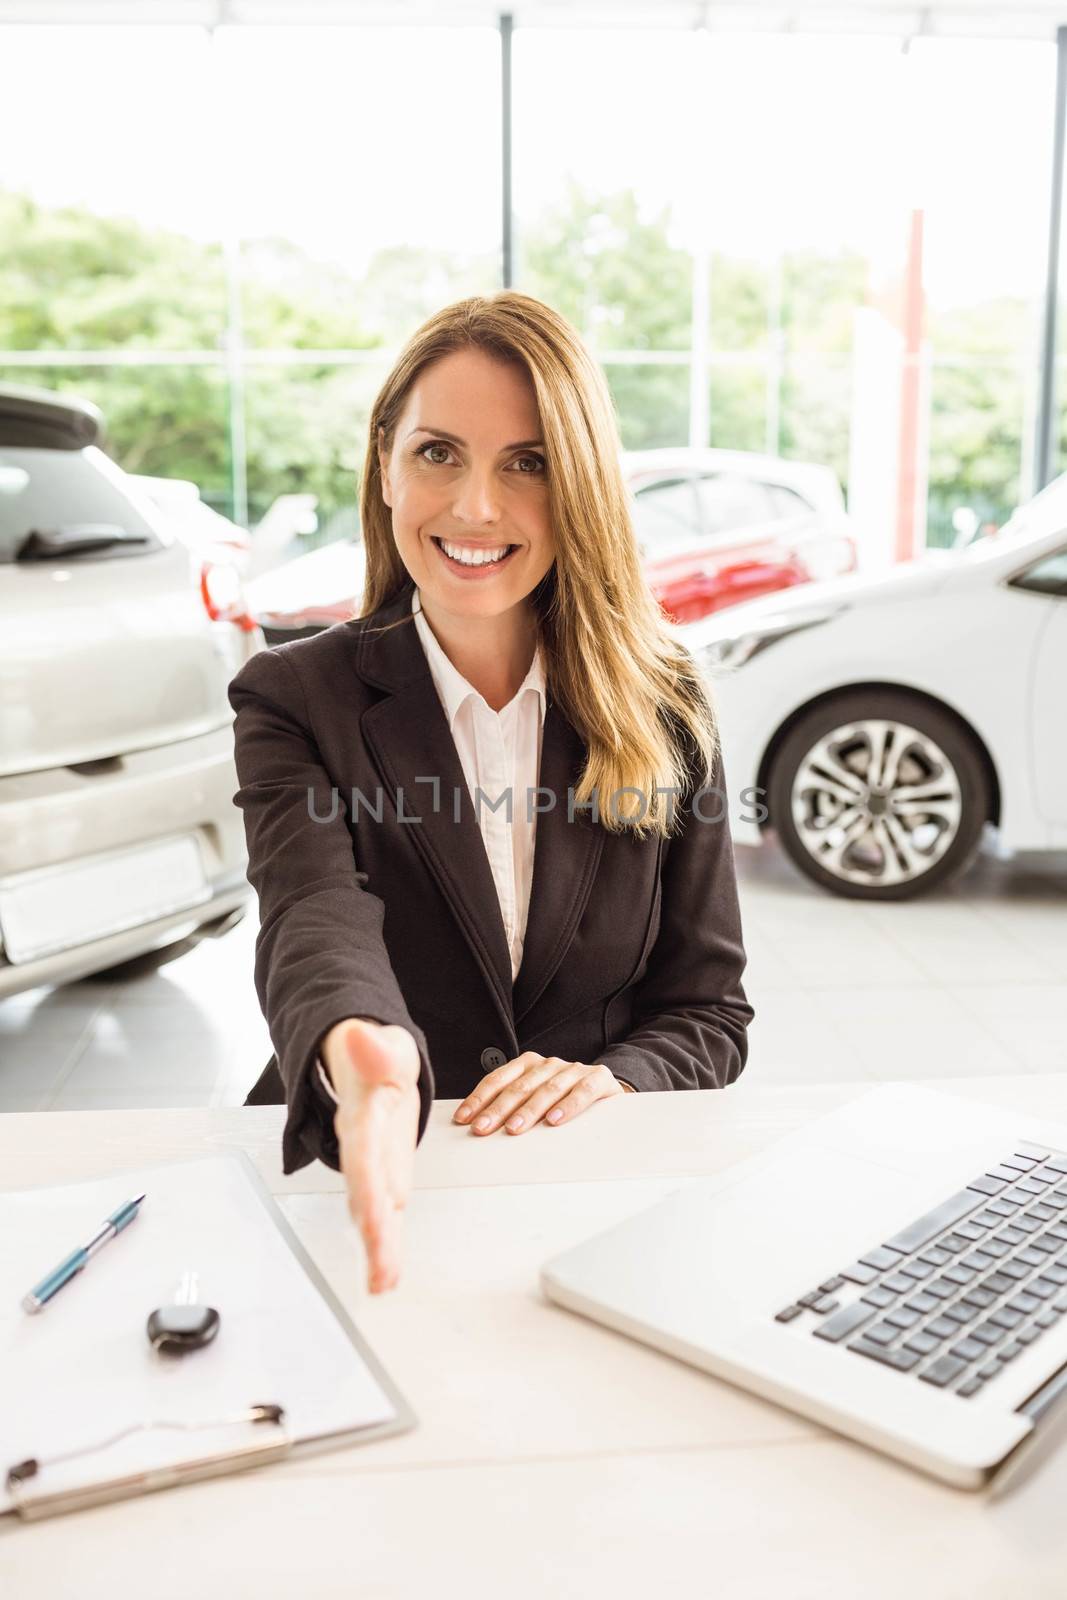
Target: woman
{"x":486,"y":819}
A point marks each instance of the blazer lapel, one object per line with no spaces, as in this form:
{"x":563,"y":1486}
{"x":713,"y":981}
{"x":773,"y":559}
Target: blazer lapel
{"x":566,"y":857}
{"x":409,"y":739}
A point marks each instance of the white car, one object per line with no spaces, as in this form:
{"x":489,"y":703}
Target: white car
{"x":878,"y":724}
{"x":118,"y":832}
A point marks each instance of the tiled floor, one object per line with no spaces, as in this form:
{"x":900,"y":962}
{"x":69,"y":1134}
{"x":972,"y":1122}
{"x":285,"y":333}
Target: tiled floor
{"x":967,"y":981}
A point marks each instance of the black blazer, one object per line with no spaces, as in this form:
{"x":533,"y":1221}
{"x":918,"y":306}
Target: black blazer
{"x":632,"y":954}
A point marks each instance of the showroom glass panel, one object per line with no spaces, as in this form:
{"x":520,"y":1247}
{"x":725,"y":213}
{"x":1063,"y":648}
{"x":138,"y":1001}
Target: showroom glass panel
{"x":984,"y":127}
{"x":107,"y":196}
{"x":307,"y":431}
{"x":363,"y":165}
{"x":601,"y":176}
{"x":652,"y":402}
{"x":809,"y":224}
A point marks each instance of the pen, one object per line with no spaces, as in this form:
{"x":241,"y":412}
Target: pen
{"x":42,"y":1292}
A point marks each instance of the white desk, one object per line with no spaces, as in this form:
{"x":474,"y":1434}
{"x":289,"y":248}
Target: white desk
{"x":553,"y":1457}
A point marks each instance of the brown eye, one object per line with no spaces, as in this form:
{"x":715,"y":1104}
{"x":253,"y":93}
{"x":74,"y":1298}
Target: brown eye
{"x":432,"y":444}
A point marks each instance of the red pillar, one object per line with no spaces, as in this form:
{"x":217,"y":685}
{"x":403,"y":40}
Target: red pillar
{"x":910,"y":392}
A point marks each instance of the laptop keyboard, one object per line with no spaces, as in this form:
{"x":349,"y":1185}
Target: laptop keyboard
{"x":960,"y":1292}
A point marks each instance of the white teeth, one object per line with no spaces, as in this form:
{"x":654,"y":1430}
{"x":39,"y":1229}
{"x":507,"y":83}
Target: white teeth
{"x":473,"y":558}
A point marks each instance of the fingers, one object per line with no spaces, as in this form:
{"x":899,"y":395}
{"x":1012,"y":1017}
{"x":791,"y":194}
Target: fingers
{"x":549,"y":1077}
{"x":597,"y":1084}
{"x":364,"y":1127}
{"x":492,"y":1083}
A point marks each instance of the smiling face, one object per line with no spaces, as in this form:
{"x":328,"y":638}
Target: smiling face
{"x":465,"y":479}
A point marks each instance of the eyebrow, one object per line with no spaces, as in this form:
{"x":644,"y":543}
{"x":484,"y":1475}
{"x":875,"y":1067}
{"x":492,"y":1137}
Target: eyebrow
{"x":442,"y":433}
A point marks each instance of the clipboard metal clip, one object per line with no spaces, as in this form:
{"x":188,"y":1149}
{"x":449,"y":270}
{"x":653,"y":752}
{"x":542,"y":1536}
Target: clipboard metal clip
{"x":32,"y":1503}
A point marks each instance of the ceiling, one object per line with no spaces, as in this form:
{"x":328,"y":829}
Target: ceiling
{"x":1006,"y":19}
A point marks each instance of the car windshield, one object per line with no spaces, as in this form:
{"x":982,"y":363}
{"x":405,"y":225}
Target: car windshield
{"x":1046,"y":513}
{"x":46,"y":490}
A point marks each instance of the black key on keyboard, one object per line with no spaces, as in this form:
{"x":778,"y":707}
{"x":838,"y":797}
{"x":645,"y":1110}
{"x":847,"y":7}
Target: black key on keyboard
{"x":858,"y":1273}
{"x":973,"y":1229}
{"x":902,"y":1317}
{"x":987,"y":1185}
{"x":943,"y":1370}
{"x":1042,"y":1287}
{"x":978,"y":1297}
{"x":927,"y":1227}
{"x":881,"y":1258}
{"x":903,"y":1360}
{"x":844,"y":1322}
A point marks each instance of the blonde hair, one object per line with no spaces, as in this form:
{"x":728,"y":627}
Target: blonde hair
{"x":613,"y":664}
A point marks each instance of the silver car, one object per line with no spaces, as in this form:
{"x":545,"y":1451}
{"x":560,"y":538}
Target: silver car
{"x":117,"y":829}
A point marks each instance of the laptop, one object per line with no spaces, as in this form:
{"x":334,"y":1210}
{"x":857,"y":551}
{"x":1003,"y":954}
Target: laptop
{"x":895,"y":1270}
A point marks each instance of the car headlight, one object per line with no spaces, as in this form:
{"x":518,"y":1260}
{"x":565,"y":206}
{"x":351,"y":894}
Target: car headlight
{"x":727,"y":653}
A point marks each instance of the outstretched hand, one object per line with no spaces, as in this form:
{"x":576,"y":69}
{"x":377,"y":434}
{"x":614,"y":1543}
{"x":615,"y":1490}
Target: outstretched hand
{"x":374,"y":1068}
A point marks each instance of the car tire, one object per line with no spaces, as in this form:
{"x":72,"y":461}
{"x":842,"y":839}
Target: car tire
{"x":878,"y":795}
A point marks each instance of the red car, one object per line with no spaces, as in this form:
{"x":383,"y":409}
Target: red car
{"x":720,"y":526}
{"x":715,"y":527}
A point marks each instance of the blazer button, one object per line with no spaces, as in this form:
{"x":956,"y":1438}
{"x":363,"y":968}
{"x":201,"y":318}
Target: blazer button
{"x":493,"y":1058}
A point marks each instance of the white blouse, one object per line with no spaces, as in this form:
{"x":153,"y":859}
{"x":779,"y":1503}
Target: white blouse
{"x":497,"y":750}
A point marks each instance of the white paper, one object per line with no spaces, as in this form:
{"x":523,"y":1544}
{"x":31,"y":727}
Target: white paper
{"x":82,"y":1368}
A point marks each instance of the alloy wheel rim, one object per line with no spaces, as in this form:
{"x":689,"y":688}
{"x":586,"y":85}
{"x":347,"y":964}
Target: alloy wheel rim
{"x":876,"y":802}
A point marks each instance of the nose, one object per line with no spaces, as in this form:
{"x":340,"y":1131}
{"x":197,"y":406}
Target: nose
{"x":476,"y":500}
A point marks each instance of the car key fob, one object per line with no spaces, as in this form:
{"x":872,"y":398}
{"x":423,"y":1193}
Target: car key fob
{"x":185,"y":1324}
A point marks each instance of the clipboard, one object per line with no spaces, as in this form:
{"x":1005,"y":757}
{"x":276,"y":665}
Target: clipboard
{"x":92,"y":1413}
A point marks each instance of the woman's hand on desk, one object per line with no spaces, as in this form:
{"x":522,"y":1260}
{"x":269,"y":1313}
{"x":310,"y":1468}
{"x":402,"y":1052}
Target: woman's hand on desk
{"x":533,"y":1087}
{"x":374,"y":1068}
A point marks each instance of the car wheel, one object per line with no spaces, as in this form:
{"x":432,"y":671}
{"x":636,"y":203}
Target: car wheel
{"x":876,"y":795}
